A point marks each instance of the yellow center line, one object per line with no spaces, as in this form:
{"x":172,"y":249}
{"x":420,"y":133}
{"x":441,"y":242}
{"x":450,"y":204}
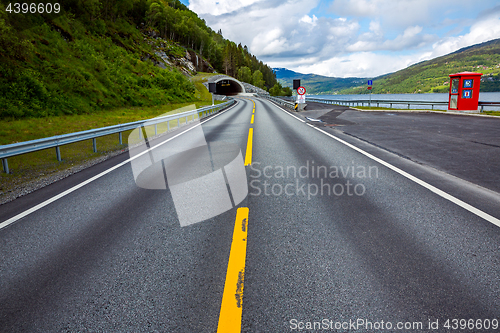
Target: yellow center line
{"x":232,"y":299}
{"x":248,"y":154}
{"x":251,"y":120}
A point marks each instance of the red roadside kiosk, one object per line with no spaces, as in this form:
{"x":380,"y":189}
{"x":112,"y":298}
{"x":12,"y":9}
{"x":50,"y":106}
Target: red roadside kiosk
{"x":464,"y":91}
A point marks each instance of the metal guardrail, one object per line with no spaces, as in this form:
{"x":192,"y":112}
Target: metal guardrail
{"x":64,"y":139}
{"x":483,"y":104}
{"x":280,"y":101}
{"x":362,"y":102}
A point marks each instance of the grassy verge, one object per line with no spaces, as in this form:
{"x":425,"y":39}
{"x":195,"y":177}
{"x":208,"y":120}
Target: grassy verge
{"x":201,"y":91}
{"x":32,"y":167}
{"x":19,"y":130}
{"x":492,"y":113}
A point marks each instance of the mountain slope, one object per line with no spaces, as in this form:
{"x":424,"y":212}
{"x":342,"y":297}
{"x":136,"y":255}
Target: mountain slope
{"x":424,"y":77}
{"x":433,"y":75}
{"x":316,"y":84}
{"x":99,"y":55}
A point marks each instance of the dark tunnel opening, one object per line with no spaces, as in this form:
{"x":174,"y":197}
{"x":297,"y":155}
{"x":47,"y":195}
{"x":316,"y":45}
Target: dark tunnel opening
{"x":228,"y":88}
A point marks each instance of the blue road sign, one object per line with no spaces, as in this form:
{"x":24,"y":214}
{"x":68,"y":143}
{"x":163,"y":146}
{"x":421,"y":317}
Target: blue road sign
{"x":370,"y":82}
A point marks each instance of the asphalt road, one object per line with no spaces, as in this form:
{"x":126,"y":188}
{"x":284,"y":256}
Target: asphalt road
{"x":374,"y":246}
{"x":467,"y":147}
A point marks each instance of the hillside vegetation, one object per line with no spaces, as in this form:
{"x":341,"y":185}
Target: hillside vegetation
{"x":317,"y":84}
{"x":425,"y":77}
{"x":432,"y":76}
{"x":99,"y":55}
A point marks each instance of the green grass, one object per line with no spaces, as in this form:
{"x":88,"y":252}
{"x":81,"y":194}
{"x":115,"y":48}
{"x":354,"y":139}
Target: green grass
{"x":62,"y":69}
{"x":19,"y":130}
{"x":491,"y":113}
{"x":29,"y":167}
{"x":201,"y":91}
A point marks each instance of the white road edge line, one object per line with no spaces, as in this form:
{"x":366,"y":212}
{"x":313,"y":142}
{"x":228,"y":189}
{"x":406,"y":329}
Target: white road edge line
{"x":288,"y":113}
{"x":428,"y":186}
{"x":76,"y":187}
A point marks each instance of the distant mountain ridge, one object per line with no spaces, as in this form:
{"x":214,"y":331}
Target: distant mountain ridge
{"x":316,"y":84}
{"x":429,"y":76}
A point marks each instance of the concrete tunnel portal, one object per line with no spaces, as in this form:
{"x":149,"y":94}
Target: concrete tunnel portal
{"x":228,"y":86}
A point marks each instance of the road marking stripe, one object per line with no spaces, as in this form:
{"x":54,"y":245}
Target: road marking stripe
{"x":288,"y":113}
{"x":428,"y":186}
{"x":248,"y":154}
{"x":232,"y":298}
{"x":251,"y":120}
{"x":78,"y":186}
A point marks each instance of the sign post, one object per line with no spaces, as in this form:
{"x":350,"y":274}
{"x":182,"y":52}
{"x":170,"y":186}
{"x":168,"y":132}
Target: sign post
{"x":301,"y":97}
{"x":212,"y":88}
{"x":370,"y":83}
{"x":296,"y":84}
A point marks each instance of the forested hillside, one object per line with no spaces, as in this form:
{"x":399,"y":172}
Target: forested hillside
{"x":97,"y":55}
{"x":317,"y":84}
{"x":433,"y":75}
{"x":424,"y":77}
{"x":176,"y":22}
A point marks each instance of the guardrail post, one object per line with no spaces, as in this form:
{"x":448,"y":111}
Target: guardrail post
{"x":408,"y":106}
{"x":5,"y":165}
{"x":168,"y":125}
{"x":156,"y":129}
{"x":120,"y":138}
{"x":178,"y":122}
{"x":94,"y":145}
{"x":58,"y":154}
{"x":390,"y":105}
{"x":482,"y":106}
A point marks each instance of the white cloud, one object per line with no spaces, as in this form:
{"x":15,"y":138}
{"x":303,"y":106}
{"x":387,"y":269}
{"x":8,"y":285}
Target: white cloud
{"x":482,"y":31}
{"x":410,"y":39}
{"x":310,"y":20}
{"x":375,"y":27}
{"x":280,"y":22}
{"x":269,"y":43}
{"x":357,"y":38}
{"x":400,"y":13}
{"x":218,"y":7}
{"x":361,"y":64}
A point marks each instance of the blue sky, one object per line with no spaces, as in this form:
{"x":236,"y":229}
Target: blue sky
{"x":345,"y":38}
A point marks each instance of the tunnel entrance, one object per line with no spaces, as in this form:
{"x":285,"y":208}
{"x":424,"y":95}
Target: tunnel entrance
{"x":228,"y":87}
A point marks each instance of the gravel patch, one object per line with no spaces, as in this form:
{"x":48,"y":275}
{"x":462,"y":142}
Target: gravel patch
{"x":28,"y":187}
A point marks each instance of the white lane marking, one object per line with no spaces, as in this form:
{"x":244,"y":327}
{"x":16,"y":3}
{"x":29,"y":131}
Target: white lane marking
{"x":288,"y":113}
{"x":428,"y":186}
{"x":78,"y":186}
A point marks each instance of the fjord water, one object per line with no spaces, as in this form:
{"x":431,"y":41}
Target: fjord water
{"x":483,"y":97}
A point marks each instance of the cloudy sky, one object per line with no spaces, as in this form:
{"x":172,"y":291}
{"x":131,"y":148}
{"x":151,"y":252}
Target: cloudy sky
{"x":345,"y":38}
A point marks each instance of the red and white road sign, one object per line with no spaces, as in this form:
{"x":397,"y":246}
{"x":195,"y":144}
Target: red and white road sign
{"x":301,"y":98}
{"x":301,"y":90}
